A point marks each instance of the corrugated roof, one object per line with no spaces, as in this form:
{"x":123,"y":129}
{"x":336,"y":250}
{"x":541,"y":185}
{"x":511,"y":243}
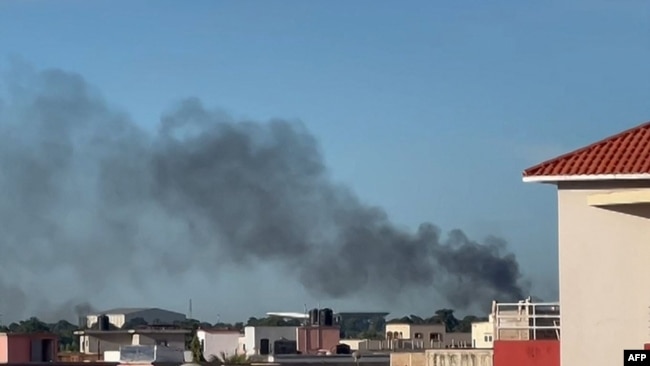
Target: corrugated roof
{"x":124,"y":310}
{"x":627,"y":152}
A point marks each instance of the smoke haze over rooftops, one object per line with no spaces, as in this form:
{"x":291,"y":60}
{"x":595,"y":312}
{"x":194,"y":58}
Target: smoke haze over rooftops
{"x":88,"y":192}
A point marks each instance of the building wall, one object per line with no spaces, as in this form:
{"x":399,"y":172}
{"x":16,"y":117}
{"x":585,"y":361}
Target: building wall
{"x":364,"y":344}
{"x":98,"y":345}
{"x":312,"y":339}
{"x":24,"y":348}
{"x":214,"y":343}
{"x":408,"y":359}
{"x":410,"y":331}
{"x":482,"y":334}
{"x":254,"y":335}
{"x":169,"y":340}
{"x":531,"y":353}
{"x":111,"y":341}
{"x":465,"y":357}
{"x":603,"y":261}
{"x":4,"y":348}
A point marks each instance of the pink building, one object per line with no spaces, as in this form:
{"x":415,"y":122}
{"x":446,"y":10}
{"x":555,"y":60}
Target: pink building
{"x":312,"y":339}
{"x":21,"y":347}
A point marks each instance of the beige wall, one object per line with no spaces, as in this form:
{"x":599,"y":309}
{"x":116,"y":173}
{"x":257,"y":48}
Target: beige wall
{"x":409,"y":330}
{"x":482,"y":334}
{"x":604,"y":257}
{"x":468,"y":357}
{"x":4,"y":348}
{"x":408,"y":359}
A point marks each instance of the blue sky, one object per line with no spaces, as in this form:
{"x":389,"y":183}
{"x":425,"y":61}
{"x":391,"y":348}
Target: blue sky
{"x":430,"y":109}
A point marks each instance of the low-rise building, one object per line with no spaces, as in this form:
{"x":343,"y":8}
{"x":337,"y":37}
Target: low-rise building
{"x":99,"y":341}
{"x":24,"y":348}
{"x":216,"y":343}
{"x":260,"y":340}
{"x":423,"y":336}
{"x":314,"y":339}
{"x":483,"y":334}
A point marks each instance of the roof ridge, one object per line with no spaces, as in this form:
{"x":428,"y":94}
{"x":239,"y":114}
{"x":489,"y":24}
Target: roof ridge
{"x":600,"y":142}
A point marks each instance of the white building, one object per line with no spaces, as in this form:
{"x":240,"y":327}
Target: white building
{"x":118,"y":317}
{"x":217,"y":342}
{"x":98,"y":341}
{"x":260,"y":340}
{"x":483,"y":334}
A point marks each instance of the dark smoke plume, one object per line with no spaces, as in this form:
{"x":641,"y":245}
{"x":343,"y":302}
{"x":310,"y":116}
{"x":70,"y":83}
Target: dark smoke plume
{"x":87,"y":192}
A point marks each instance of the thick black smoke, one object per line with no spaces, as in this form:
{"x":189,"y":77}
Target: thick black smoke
{"x":88,"y":192}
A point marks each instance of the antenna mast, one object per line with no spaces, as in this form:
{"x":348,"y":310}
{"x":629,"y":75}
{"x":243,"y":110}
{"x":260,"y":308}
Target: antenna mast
{"x":191,"y":309}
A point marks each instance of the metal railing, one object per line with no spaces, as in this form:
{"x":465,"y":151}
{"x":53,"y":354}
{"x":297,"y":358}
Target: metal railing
{"x":526,"y":321}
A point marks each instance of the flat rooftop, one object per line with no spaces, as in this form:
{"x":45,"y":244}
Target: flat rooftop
{"x":132,"y":331}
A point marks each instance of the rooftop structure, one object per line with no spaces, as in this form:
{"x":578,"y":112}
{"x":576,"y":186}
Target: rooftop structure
{"x":621,"y":156}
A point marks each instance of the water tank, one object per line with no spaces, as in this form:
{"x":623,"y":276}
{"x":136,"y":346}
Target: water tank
{"x":343,"y":349}
{"x":102,"y":322}
{"x":313,"y":317}
{"x":285,"y":347}
{"x":328,"y":315}
{"x":321,"y":317}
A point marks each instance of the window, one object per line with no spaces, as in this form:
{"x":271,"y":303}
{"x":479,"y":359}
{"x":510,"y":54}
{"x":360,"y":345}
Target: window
{"x":435,"y":337}
{"x":418,"y":336}
{"x":487,"y":338}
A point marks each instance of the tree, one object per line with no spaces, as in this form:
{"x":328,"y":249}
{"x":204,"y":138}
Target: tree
{"x":197,"y":349}
{"x":272,"y":321}
{"x":224,"y":359}
{"x":465,"y":325}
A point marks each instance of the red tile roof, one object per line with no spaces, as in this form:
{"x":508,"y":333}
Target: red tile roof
{"x":625,"y":153}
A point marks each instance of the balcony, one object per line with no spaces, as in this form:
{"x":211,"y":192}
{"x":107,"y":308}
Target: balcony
{"x":526,"y":320}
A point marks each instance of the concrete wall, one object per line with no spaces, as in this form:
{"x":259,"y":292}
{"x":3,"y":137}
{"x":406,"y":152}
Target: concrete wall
{"x":464,"y":357}
{"x":603,"y":266}
{"x":409,"y":331}
{"x":98,"y":345}
{"x":111,"y":341}
{"x":4,"y":348}
{"x":482,"y":334}
{"x":170,"y":340}
{"x":531,"y":353}
{"x":364,"y":344}
{"x":408,"y":359}
{"x":214,"y":343}
{"x":15,"y":348}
